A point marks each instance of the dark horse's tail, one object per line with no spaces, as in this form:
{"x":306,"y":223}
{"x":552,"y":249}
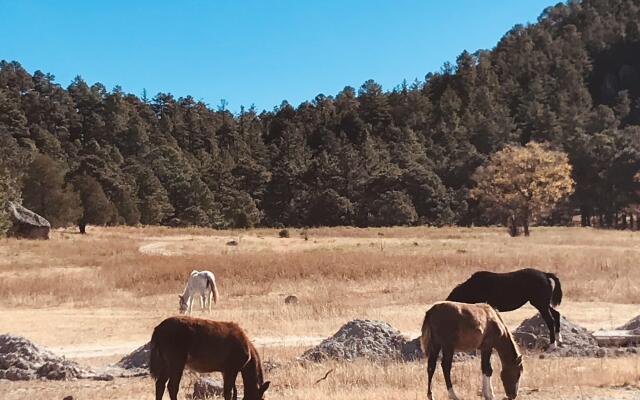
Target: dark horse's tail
{"x":156,"y":362}
{"x":556,"y":296}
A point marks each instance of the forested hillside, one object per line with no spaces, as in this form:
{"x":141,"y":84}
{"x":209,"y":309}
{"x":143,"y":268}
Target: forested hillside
{"x":363,"y":157}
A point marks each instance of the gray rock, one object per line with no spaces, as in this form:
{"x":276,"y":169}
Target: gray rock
{"x":26,"y":224}
{"x":291,"y":299}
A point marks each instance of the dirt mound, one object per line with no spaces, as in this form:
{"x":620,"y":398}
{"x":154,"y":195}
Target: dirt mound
{"x":631,"y":325}
{"x":533,"y":334}
{"x":372,"y":340}
{"x":137,"y":359}
{"x":22,"y":360}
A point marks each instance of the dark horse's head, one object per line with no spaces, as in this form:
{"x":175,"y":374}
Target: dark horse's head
{"x":473,"y":290}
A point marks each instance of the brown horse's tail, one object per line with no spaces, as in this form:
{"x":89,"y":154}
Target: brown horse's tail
{"x":426,"y":334}
{"x":556,"y":296}
{"x":156,"y":361}
{"x":211,"y":283}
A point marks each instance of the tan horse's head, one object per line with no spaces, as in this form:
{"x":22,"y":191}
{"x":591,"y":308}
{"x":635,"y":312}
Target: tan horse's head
{"x":510,"y":376}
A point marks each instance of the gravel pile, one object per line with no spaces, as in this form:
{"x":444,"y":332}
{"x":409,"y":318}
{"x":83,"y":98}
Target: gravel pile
{"x":22,"y":360}
{"x":137,"y":359}
{"x":533,"y":334}
{"x":631,"y":325}
{"x":371,"y":340}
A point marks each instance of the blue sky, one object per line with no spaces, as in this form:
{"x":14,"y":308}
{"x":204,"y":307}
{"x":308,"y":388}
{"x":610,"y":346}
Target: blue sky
{"x":251,"y":52}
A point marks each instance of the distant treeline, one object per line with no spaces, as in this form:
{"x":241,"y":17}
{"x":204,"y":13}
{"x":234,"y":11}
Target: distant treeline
{"x":364,"y":157}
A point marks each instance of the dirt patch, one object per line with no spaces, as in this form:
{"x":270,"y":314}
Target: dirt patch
{"x":22,"y":360}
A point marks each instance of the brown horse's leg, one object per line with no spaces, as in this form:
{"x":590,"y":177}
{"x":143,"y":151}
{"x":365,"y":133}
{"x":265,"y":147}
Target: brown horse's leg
{"x":161,"y":381}
{"x":431,"y":369}
{"x":556,"y":317}
{"x":229,"y":390}
{"x":447,"y":360}
{"x":174,"y":382}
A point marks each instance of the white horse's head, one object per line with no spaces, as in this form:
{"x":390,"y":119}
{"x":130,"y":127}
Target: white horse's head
{"x":183,"y":304}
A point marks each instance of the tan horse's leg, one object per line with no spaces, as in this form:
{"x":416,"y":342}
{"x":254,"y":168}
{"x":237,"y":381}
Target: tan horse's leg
{"x":431,"y":369}
{"x":447,"y":361}
{"x":487,"y":371}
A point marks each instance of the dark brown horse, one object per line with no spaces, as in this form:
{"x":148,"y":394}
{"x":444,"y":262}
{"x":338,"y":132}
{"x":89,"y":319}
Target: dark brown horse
{"x":449,"y":326}
{"x":205,"y":346}
{"x":511,"y":290}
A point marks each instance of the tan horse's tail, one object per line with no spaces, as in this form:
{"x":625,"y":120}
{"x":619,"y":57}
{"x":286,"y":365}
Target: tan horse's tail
{"x":426,"y":334}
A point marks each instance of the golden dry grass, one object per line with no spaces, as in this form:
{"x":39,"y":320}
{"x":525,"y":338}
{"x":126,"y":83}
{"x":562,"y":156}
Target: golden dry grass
{"x":110,"y":287}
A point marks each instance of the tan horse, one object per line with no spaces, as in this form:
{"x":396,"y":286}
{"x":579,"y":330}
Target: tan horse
{"x":205,"y":346}
{"x":449,"y":326}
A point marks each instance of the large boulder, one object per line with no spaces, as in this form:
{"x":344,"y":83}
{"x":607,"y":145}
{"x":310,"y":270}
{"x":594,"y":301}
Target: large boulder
{"x":26,"y":224}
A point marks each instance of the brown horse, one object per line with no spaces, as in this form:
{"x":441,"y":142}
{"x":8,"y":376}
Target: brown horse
{"x":205,"y":346}
{"x":449,"y":326}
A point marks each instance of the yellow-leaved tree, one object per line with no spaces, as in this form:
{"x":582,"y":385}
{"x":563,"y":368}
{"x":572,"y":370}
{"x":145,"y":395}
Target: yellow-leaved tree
{"x":522,"y":184}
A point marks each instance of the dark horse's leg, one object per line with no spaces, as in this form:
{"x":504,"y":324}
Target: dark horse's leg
{"x":229,"y":390}
{"x":161,"y":381}
{"x":545,"y":312}
{"x":431,"y":368}
{"x":447,"y":360}
{"x":556,"y":317}
{"x":487,"y":371}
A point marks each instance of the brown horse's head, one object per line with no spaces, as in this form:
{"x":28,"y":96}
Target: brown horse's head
{"x":510,"y":376}
{"x":263,"y":388}
{"x":183,"y":304}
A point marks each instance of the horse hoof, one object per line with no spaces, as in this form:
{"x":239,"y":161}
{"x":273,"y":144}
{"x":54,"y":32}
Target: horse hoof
{"x":553,"y":346}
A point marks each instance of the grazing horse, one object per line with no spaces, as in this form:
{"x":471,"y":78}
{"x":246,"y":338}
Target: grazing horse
{"x":202,"y":283}
{"x":512,"y":290}
{"x":450,"y":326}
{"x":205,"y":346}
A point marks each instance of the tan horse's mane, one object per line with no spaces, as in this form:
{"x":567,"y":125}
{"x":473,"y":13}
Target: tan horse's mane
{"x":516,"y":349}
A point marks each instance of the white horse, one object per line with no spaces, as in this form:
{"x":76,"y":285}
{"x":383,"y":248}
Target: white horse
{"x":202,"y":283}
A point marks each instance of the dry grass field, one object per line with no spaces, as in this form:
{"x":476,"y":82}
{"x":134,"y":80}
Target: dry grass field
{"x":98,"y":296}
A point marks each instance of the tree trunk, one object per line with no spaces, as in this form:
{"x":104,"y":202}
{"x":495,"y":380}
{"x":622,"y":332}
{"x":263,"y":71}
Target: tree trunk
{"x":513,"y":227}
{"x":585,"y":217}
{"x":526,"y":226}
{"x":83,"y":227}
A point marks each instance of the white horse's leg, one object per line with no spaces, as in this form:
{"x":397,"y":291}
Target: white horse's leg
{"x":210,"y":298}
{"x":190,"y":304}
{"x":452,"y":395}
{"x":201,"y":301}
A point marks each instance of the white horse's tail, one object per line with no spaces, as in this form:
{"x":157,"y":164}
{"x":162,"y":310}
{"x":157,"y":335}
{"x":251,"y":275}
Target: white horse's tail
{"x":211,"y":282}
